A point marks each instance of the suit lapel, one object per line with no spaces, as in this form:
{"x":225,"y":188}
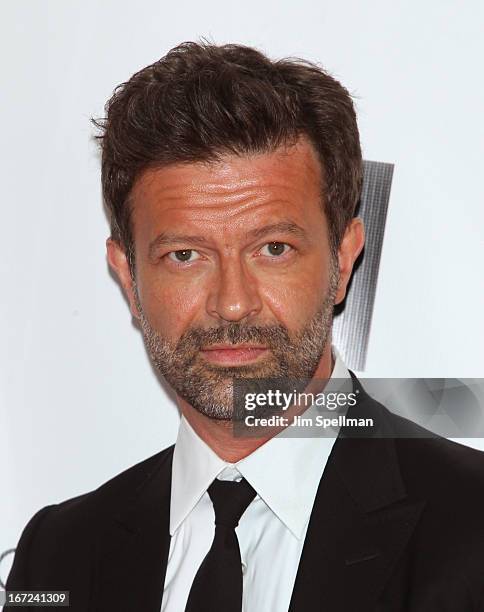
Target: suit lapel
{"x":360,"y":523}
{"x":132,"y":553}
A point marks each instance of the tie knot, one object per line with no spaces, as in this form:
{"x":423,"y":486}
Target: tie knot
{"x":230,"y":500}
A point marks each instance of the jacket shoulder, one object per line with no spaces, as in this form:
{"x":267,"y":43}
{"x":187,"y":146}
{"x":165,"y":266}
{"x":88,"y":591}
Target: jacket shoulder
{"x":427,"y":456}
{"x":449,"y":475}
{"x":118,"y":488}
{"x":72,"y":525}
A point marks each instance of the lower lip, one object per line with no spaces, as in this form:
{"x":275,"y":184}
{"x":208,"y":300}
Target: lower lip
{"x":233,"y":356}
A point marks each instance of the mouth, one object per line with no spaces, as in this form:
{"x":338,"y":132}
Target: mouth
{"x":233,"y":354}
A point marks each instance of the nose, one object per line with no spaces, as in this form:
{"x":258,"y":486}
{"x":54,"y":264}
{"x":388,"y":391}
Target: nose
{"x":234,"y":295}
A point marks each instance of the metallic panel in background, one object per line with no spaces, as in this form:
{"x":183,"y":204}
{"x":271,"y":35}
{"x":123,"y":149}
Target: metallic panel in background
{"x":352,"y":321}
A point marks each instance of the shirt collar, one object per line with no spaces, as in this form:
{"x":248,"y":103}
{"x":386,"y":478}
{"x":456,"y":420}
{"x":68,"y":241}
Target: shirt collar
{"x":285,"y":471}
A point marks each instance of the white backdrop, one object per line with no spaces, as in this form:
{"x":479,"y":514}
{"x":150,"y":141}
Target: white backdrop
{"x":78,"y":399}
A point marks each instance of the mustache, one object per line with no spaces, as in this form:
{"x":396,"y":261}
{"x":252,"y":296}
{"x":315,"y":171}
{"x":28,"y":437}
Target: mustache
{"x":273,"y":336}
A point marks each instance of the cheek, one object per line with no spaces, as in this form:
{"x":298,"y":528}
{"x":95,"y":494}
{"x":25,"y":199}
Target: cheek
{"x":295,"y":298}
{"x":169,"y":307}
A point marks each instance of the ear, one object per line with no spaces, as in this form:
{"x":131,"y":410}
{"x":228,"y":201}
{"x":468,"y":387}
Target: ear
{"x":349,"y":249}
{"x":118,"y":262}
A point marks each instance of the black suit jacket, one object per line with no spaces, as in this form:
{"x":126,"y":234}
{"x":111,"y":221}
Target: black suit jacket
{"x":397,"y":525}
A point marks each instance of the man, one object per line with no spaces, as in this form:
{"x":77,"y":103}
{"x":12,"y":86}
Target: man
{"x":232,"y":183}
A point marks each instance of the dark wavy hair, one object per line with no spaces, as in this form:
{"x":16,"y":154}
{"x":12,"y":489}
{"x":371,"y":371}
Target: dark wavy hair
{"x":201,"y":101}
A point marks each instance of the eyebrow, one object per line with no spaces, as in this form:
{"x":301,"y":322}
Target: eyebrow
{"x":282,"y":226}
{"x":170,"y":238}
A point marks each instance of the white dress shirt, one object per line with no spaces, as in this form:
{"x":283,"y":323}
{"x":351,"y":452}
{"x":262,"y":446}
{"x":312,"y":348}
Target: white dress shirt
{"x":285,"y":472}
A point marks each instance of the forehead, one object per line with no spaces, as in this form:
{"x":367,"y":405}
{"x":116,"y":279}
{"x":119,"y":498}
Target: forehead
{"x":232,"y":189}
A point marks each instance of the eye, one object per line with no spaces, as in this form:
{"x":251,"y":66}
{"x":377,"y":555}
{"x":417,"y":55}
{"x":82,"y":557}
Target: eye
{"x":275,"y":249}
{"x":183,"y":255}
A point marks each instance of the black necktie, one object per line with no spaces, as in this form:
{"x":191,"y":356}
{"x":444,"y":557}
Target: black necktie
{"x":217,"y":586}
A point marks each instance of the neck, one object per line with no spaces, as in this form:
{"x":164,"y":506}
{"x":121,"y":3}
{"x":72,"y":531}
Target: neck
{"x":219,"y":434}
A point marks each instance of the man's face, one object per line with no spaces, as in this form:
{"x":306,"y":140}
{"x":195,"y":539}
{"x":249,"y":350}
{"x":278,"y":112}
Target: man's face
{"x":234,"y":274}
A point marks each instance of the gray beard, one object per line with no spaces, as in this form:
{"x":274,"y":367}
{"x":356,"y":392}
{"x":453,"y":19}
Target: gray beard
{"x":209,"y":388}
